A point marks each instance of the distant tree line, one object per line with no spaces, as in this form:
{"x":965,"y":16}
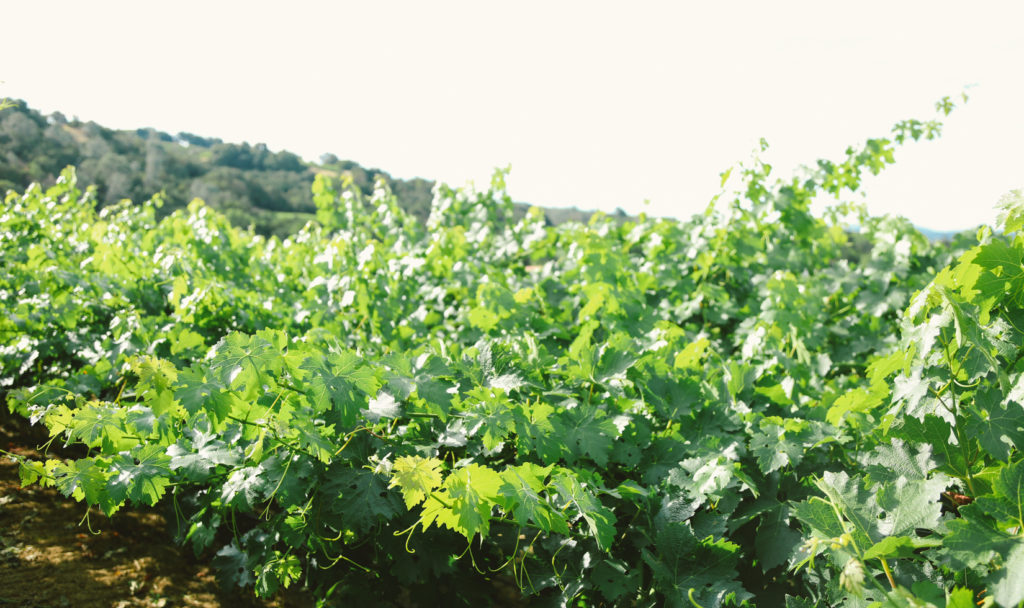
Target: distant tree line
{"x":251,"y":184}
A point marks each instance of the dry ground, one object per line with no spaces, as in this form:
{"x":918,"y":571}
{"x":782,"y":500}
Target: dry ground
{"x":48,"y":560}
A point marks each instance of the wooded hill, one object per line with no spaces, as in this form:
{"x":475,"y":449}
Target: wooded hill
{"x":249,"y":183}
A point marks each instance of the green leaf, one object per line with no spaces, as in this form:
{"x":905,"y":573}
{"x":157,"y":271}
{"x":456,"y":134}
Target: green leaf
{"x":587,"y":431}
{"x":292,"y":477}
{"x":858,"y":400}
{"x":490,"y":415}
{"x":673,"y":397}
{"x":472,"y":492}
{"x":434,"y":394}
{"x":855,"y":502}
{"x":937,"y":433}
{"x":582,"y":353}
{"x":416,"y":477}
{"x":683,"y":564}
{"x":896,"y":459}
{"x":1006,"y":585}
{"x":340,"y":382}
{"x":97,"y":424}
{"x":908,"y":393}
{"x":382,"y":406}
{"x":599,"y":519}
{"x":960,"y":597}
{"x":483,"y":318}
{"x":1011,"y":211}
{"x":975,"y":539}
{"x":281,"y":571}
{"x":998,"y":428}
{"x":233,"y":565}
{"x":536,"y":433}
{"x":359,"y":498}
{"x":799,"y":602}
{"x":198,"y":456}
{"x":184,"y":339}
{"x":315,"y":439}
{"x":908,"y":505}
{"x":194,"y":390}
{"x":246,"y":362}
{"x":84,"y":479}
{"x":690,"y":357}
{"x":142,"y":476}
{"x":614,"y":578}
{"x":615,"y":358}
{"x":1010,"y":487}
{"x":819,"y":515}
{"x":899,"y":547}
{"x":155,"y":373}
{"x":776,"y":540}
{"x":707,"y":477}
{"x":883,"y":367}
{"x":919,"y":339}
{"x":773,"y":449}
{"x":1003,"y":271}
{"x":519,"y":494}
{"x":246,"y":486}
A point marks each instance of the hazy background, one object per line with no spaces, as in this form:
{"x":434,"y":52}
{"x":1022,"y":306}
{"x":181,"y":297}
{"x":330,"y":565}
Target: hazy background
{"x":600,"y":105}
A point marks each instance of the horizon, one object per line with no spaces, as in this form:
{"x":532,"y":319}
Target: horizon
{"x":652,"y":103}
{"x":927,"y":231}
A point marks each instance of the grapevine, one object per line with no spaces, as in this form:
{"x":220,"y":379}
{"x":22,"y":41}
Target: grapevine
{"x":756,"y":406}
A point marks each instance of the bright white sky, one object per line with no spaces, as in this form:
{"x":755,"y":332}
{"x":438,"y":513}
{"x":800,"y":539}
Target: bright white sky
{"x":595,"y":104}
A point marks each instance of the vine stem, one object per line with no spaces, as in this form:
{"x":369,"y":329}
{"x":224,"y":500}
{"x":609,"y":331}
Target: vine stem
{"x":689,"y":595}
{"x":121,"y":392}
{"x":860,"y":554}
{"x":964,"y":448}
{"x":888,"y":572}
{"x":270,"y":500}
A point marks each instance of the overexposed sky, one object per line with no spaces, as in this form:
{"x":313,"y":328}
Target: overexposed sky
{"x":594,"y":104}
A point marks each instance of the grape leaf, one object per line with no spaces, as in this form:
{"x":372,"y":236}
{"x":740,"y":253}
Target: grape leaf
{"x":233,"y":565}
{"x":889,"y":462}
{"x":774,"y":450}
{"x":340,"y":381}
{"x":614,"y":578}
{"x":360,"y":498}
{"x":587,"y":431}
{"x":1006,"y":585}
{"x":416,"y":477}
{"x":246,"y":486}
{"x":193,"y":389}
{"x":198,"y":456}
{"x":776,"y":540}
{"x":856,"y":503}
{"x":519,"y":494}
{"x":142,"y":476}
{"x":244,"y":362}
{"x":685,"y":565}
{"x":599,"y":519}
{"x":998,"y":428}
{"x":472,"y":492}
{"x":84,"y":479}
{"x":975,"y":539}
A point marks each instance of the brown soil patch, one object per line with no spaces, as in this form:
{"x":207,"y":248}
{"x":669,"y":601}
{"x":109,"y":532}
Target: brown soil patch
{"x":48,"y":560}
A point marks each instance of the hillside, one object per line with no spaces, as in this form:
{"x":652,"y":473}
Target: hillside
{"x":249,"y":183}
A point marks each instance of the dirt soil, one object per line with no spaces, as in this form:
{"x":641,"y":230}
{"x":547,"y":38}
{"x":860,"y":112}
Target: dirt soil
{"x":48,"y":560}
